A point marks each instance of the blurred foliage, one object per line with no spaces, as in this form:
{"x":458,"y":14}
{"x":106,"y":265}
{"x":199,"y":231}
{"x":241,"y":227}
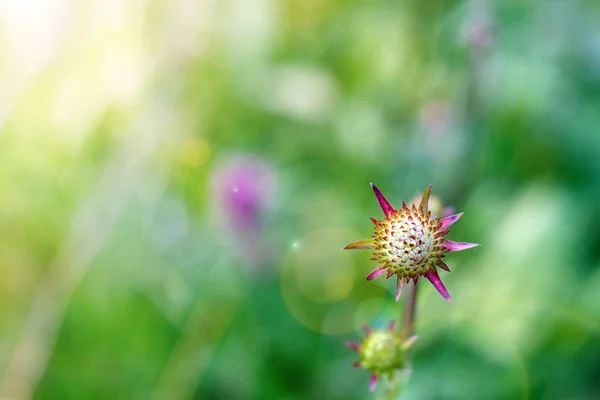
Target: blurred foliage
{"x":179,"y":177}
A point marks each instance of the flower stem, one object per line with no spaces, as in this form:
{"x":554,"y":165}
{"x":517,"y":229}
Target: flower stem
{"x":398,"y":381}
{"x":408,"y":324}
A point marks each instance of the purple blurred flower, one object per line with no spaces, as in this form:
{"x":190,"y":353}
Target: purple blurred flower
{"x":242,"y":189}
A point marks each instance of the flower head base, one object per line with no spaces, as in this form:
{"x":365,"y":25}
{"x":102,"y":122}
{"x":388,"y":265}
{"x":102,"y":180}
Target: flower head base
{"x":410,"y":242}
{"x":381,"y":352}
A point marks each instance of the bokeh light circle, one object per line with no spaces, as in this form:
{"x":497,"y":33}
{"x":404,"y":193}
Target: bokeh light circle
{"x":324,"y":288}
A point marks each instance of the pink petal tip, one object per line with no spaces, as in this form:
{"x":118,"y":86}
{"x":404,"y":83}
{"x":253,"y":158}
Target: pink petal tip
{"x":386,"y":207}
{"x":435,"y":280}
{"x":352,"y":346}
{"x":458,"y":246}
{"x":410,"y":342}
{"x":392,"y":326}
{"x":373,"y":382}
{"x":446,"y":222}
{"x":377,"y":272}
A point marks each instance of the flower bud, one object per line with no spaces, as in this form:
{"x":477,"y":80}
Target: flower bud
{"x":381,"y":352}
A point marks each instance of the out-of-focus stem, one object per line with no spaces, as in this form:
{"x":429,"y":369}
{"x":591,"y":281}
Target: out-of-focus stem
{"x":408,"y":325}
{"x":409,"y":316}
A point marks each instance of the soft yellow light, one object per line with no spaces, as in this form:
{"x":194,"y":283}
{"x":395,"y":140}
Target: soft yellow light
{"x":338,"y":284}
{"x":322,"y":288}
{"x":194,"y":152}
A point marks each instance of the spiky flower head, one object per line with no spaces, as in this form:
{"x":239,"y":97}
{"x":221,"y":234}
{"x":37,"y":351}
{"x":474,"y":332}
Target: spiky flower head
{"x":381,"y":352}
{"x":410,"y":242}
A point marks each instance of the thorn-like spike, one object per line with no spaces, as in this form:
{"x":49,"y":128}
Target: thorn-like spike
{"x":365,"y":244}
{"x":435,"y":280}
{"x":377,"y":272}
{"x":409,"y":342}
{"x":389,"y":274}
{"x":373,"y":382}
{"x":375,"y":221}
{"x":404,"y":206}
{"x":399,"y":286}
{"x":366,"y":329}
{"x":386,"y":207}
{"x":392,"y":326}
{"x":458,"y":246}
{"x":424,"y":206}
{"x":446,"y":222}
{"x":443,"y":265}
{"x":352,"y":346}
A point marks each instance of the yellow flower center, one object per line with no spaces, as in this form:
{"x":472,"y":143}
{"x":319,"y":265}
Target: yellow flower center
{"x":406,"y":242}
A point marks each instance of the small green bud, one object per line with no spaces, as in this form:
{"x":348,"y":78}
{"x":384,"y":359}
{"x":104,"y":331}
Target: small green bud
{"x":381,"y":352}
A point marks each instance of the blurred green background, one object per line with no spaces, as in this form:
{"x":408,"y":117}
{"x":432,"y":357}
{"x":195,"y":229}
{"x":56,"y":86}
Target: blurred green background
{"x":178,"y":178}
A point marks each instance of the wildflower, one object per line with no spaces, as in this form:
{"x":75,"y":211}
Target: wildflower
{"x":242,"y":189}
{"x":410,"y":242}
{"x":381,"y":352}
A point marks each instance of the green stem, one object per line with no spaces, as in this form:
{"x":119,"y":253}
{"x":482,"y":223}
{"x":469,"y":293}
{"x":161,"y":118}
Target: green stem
{"x":408,"y":324}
